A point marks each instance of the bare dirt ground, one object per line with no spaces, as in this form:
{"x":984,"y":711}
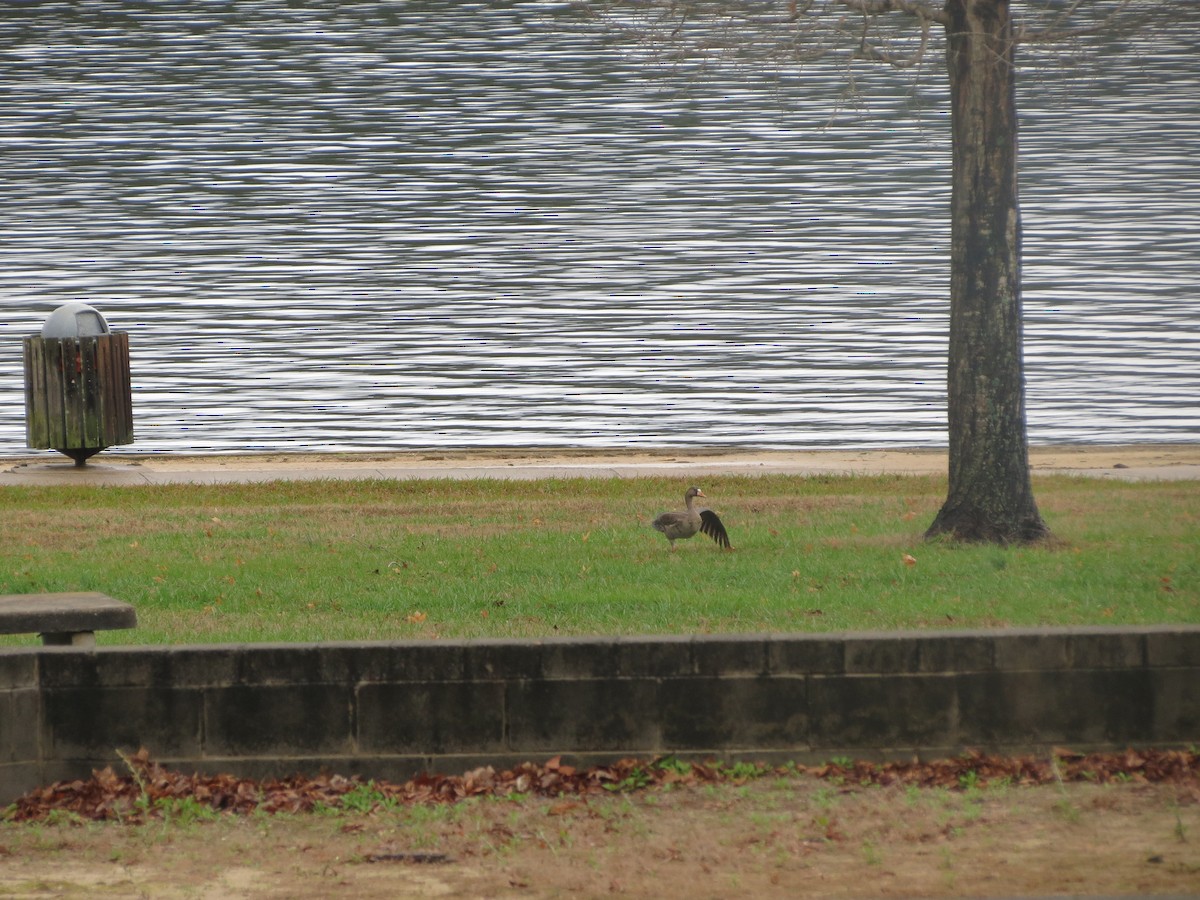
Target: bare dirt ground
{"x":1092,"y":456}
{"x":1124,"y":462}
{"x":771,"y":838}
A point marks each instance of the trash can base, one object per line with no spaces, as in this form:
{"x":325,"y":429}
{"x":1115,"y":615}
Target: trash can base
{"x":80,"y":454}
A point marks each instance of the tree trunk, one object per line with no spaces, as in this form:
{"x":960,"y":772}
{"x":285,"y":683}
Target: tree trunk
{"x":990,"y":496}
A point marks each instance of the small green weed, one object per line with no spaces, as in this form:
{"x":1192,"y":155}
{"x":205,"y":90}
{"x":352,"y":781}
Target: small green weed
{"x":741,"y":771}
{"x":871,"y":855}
{"x":637,"y":779}
{"x":825,"y":798}
{"x":673,"y":765}
{"x":184,"y":810}
{"x":365,"y":798}
{"x":1068,"y":811}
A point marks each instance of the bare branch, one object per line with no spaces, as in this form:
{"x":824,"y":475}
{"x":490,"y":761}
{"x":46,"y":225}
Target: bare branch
{"x":1048,"y":22}
{"x":793,"y":30}
{"x":881,"y":53}
{"x":896,"y":32}
{"x":925,"y":12}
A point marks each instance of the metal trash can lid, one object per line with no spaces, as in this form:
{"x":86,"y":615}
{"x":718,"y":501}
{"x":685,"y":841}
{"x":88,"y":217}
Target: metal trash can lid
{"x":74,"y":320}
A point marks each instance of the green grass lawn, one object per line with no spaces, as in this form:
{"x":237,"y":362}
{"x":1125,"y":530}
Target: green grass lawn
{"x":337,"y":560}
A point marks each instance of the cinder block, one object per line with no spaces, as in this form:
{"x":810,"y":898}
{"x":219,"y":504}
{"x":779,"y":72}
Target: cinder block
{"x":730,"y":655}
{"x":882,"y":655}
{"x":1032,"y":650}
{"x":115,"y":667}
{"x":18,"y":668}
{"x":278,"y":720}
{"x":1108,"y":650}
{"x":93,"y":721}
{"x":734,"y":713}
{"x":1174,"y":646}
{"x":278,"y":664}
{"x":347,"y":662}
{"x":578,"y":658}
{"x":485,"y":660}
{"x":1176,"y":705}
{"x":430,"y":717}
{"x":957,"y":652}
{"x":881,"y":712}
{"x":582,"y":714}
{"x":67,"y":667}
{"x":18,"y":779}
{"x":654,"y":657}
{"x":204,"y":665}
{"x":427,"y":661}
{"x":806,"y":655}
{"x":1090,"y":707}
{"x":19,"y":725}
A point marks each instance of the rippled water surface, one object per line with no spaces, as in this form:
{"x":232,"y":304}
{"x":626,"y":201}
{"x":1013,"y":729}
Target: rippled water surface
{"x":389,"y":225}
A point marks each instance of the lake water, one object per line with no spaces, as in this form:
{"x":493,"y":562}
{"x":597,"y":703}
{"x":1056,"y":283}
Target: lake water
{"x":372,"y":226}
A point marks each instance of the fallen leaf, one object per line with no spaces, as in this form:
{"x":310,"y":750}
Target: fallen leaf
{"x":108,"y":796}
{"x":909,"y":560}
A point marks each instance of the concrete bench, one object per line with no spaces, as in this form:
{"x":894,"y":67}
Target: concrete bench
{"x":66,"y":619}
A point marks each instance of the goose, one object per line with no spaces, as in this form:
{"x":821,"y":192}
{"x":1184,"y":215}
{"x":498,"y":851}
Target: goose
{"x":685,"y":523}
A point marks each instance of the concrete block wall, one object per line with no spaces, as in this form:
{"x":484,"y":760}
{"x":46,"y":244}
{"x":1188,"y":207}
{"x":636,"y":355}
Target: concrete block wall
{"x":391,"y":710}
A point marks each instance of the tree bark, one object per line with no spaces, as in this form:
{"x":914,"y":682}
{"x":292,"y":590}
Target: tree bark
{"x":990,"y":494}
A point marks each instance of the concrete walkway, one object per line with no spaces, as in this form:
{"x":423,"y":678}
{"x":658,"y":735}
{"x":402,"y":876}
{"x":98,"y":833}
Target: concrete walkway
{"x":1127,"y":463}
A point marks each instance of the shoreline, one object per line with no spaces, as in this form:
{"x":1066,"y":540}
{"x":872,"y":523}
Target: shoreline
{"x":1126,"y":462}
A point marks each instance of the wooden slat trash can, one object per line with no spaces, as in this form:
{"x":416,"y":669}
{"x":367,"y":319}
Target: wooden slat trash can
{"x":78,"y":396}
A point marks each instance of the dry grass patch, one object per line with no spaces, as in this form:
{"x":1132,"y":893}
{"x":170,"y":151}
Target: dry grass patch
{"x":777,"y":838}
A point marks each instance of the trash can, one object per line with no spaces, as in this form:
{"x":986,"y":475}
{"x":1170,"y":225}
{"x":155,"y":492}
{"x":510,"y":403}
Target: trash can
{"x":78,"y":398}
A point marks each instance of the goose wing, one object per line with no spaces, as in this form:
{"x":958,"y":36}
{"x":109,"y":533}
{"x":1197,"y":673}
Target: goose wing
{"x":711,"y":524}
